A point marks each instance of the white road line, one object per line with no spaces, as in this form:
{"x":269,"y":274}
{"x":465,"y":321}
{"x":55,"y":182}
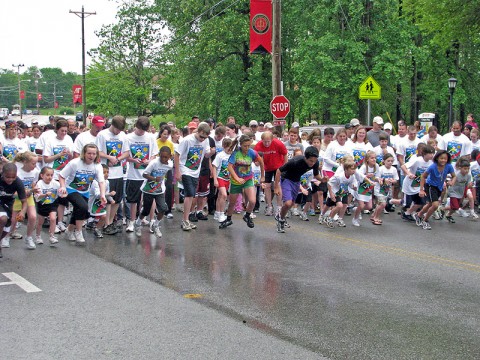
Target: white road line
{"x":20,"y":282}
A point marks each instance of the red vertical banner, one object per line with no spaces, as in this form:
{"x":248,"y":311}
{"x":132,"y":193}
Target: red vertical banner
{"x":39,"y":96}
{"x":22,"y":94}
{"x":55,"y":105}
{"x":260,"y":26}
{"x":77,"y":94}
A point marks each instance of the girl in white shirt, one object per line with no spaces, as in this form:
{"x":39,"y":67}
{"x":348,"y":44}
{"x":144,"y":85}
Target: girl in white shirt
{"x":335,"y":151}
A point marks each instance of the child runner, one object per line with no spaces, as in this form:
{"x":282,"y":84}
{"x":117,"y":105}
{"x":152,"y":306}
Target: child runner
{"x":75,"y":180}
{"x":338,"y":189}
{"x":290,"y":175}
{"x":153,"y":189}
{"x":461,"y":189}
{"x":28,"y":173}
{"x":364,"y":194}
{"x":46,"y":193}
{"x":98,"y":211}
{"x":411,"y":185}
{"x":221,"y":179}
{"x":10,"y":185}
{"x":388,"y":176}
{"x":431,"y":185}
{"x":241,"y":178}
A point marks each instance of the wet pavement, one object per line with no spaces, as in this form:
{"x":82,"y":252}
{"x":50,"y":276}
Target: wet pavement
{"x":388,"y":292}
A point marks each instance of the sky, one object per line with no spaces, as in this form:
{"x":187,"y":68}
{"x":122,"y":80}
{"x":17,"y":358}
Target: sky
{"x":43,"y":33}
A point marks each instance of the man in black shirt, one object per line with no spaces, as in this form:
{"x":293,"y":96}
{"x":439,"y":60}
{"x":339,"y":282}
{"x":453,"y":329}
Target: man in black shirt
{"x":290,"y":174}
{"x":9,"y":185}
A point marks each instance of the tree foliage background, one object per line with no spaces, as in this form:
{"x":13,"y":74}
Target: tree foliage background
{"x":191,"y":57}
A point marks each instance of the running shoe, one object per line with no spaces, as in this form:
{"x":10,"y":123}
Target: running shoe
{"x":61,"y":226}
{"x":355,"y":222}
{"x":417,"y":218}
{"x":16,"y":235}
{"x":269,"y":211}
{"x":30,"y":243}
{"x":70,"y":235}
{"x":221,"y":217}
{"x":38,"y":240}
{"x":280,"y":226}
{"x":5,"y":242}
{"x":225,"y":223}
{"x":450,"y":219}
{"x":130,"y":227}
{"x":186,"y":226}
{"x":329,"y":223}
{"x":157,"y":231}
{"x":192,"y":217}
{"x":97,"y":233}
{"x":304,"y":216}
{"x":169,"y":215}
{"x":426,"y":225}
{"x":79,"y":237}
{"x":201,"y":216}
{"x":341,"y":223}
{"x":53,"y":240}
{"x":248,"y":220}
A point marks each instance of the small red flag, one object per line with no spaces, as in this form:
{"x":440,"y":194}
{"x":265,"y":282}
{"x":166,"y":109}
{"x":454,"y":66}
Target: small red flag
{"x":260,"y":26}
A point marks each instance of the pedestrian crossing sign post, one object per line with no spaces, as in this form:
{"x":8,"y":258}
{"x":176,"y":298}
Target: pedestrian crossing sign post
{"x":369,"y":90}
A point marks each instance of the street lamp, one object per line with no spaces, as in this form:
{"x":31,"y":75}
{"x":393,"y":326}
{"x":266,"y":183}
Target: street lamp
{"x":18,"y":66}
{"x":452,"y":84}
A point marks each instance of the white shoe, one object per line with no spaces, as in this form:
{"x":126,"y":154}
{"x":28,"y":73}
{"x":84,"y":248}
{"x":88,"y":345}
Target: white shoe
{"x":473,"y":215}
{"x":295,"y":212}
{"x":79,"y":237}
{"x":145,"y":222}
{"x":151,"y":226}
{"x":57,"y":230}
{"x":462,"y":213}
{"x":53,"y":240}
{"x":157,"y":231}
{"x":5,"y":242}
{"x":16,"y":235}
{"x":262,"y":197}
{"x":38,"y":240}
{"x":130,"y":227}
{"x":70,"y":235}
{"x":221,"y":217}
{"x":215,"y":216}
{"x":355,"y":222}
{"x":137,"y":229}
{"x":67,"y":211}
{"x":169,"y":215}
{"x":30,"y":243}
{"x":61,"y":225}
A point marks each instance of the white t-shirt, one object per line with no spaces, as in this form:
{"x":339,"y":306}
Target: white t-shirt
{"x":156,"y":169}
{"x":379,"y":152}
{"x":475,"y":145}
{"x":12,"y":147}
{"x":83,"y":139}
{"x":55,"y":146}
{"x":95,"y":206}
{"x":407,"y":148}
{"x":334,"y":152}
{"x":79,"y":176}
{"x":44,"y":138}
{"x":112,"y":145}
{"x":141,"y":147}
{"x":457,"y":146}
{"x":416,"y":166}
{"x":365,"y":190}
{"x":191,"y":153}
{"x":306,"y":180}
{"x":221,"y":164}
{"x":359,"y":151}
{"x":396,"y":139}
{"x":28,"y":178}
{"x":47,"y":188}
{"x":475,"y":171}
{"x":439,"y":138}
{"x":31,"y":143}
{"x":340,"y":184}
{"x":384,"y":173}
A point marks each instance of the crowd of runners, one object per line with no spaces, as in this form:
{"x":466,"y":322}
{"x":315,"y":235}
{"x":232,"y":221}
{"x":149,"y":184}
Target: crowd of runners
{"x":111,"y":179}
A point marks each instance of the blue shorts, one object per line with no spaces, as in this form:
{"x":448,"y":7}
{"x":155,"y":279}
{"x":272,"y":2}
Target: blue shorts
{"x":190,"y":185}
{"x":290,"y":189}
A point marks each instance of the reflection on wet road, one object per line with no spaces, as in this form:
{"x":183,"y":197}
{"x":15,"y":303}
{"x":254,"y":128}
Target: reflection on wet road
{"x":345,"y":293}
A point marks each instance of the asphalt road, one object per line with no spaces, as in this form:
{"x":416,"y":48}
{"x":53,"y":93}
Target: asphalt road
{"x":375,"y":292}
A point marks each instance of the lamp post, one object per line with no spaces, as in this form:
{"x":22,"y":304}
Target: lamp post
{"x":18,"y":66}
{"x":452,"y":83}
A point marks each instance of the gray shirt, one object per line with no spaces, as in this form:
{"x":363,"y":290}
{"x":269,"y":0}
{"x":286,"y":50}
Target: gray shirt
{"x":457,"y":190}
{"x":372,"y":137}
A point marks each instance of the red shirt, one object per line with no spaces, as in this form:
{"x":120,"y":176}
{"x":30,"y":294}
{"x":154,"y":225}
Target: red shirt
{"x":273,"y":156}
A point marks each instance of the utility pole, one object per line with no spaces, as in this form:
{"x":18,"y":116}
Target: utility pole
{"x":82,"y":15}
{"x":54,"y":97}
{"x":277,"y":88}
{"x":18,"y":66}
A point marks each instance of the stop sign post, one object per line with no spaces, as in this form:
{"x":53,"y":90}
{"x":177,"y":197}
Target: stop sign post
{"x":280,"y":107}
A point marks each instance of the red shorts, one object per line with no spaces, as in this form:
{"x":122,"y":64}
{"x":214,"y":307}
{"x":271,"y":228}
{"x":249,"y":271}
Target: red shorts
{"x":223,"y":183}
{"x":328,"y":174}
{"x":203,"y":188}
{"x":455,"y":203}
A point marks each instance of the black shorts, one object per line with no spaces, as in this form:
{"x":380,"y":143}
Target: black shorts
{"x":322,"y":187}
{"x":45,"y":210}
{"x":303,"y":199}
{"x":433,"y":193}
{"x":159,"y":202}
{"x":7,"y":208}
{"x":117,"y":186}
{"x":134,"y":194}
{"x":416,"y":199}
{"x":190,"y":185}
{"x":343,"y":200}
{"x":269,"y":176}
{"x":62,"y":201}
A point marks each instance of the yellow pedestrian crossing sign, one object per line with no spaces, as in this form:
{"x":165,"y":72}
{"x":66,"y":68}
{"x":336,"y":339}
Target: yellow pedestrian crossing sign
{"x":369,"y":89}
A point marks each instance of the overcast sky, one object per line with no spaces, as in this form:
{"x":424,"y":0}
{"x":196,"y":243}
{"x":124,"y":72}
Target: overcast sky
{"x":43,"y":33}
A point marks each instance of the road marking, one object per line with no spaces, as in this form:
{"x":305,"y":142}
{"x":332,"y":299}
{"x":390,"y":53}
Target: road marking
{"x":192,"y":296}
{"x":20,"y":282}
{"x":397,"y":251}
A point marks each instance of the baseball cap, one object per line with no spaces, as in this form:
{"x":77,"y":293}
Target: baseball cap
{"x":192,"y":125}
{"x":261,"y":123}
{"x":268,"y":125}
{"x":253,"y":123}
{"x":378,"y":120}
{"x":354,"y":122}
{"x":10,"y":124}
{"x":295,"y":125}
{"x":387,"y":126}
{"x":98,"y":121}
{"x":348,"y":126}
{"x":34,"y":122}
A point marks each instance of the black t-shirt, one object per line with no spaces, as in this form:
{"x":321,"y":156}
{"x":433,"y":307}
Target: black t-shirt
{"x":205,"y":169}
{"x":294,"y":168}
{"x":7,"y":192}
{"x":73,"y":135}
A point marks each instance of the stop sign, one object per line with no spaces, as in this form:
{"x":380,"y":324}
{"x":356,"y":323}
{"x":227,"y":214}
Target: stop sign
{"x":280,"y":107}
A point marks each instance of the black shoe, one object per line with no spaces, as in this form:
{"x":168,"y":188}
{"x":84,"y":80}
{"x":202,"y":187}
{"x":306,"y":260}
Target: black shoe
{"x":192,"y":217}
{"x":407,"y":217}
{"x":225,"y":223}
{"x":201,"y":216}
{"x":248,"y":220}
{"x":110,"y":230}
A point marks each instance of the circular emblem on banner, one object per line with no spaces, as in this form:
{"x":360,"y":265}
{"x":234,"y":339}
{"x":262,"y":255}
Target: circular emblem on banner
{"x":260,"y":24}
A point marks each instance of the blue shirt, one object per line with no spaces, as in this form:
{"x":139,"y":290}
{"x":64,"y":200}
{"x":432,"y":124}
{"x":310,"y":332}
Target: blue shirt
{"x":435,"y":178}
